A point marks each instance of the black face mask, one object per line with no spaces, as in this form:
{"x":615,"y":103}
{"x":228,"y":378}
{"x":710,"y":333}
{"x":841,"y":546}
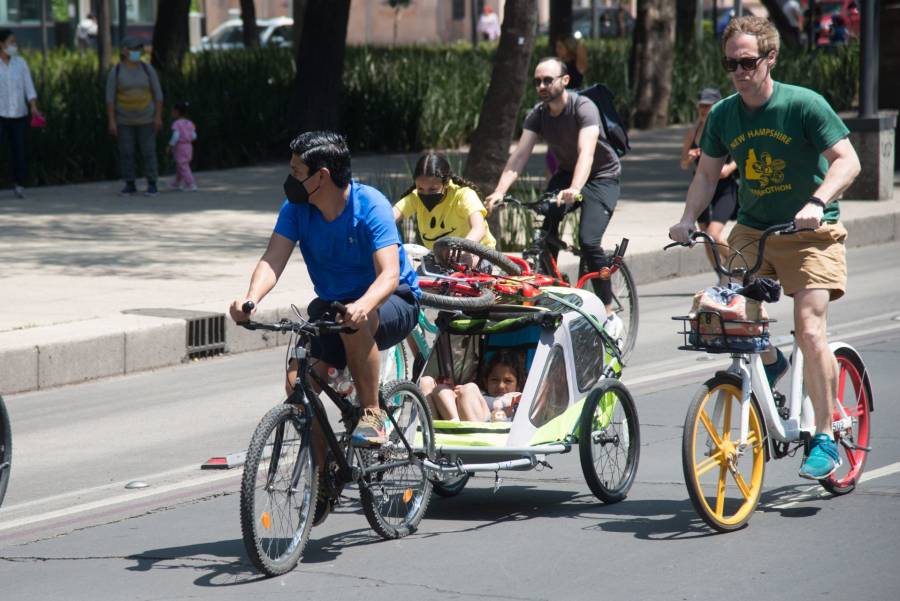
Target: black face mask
{"x":295,"y":191}
{"x":431,"y":200}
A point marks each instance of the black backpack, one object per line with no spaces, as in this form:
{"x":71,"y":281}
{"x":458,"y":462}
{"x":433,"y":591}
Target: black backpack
{"x":613,"y":124}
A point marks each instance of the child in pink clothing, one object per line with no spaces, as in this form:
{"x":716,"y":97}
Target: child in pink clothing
{"x":181,"y":145}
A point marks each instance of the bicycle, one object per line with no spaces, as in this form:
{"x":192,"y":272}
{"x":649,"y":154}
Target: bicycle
{"x":286,"y":480}
{"x":770,"y":425}
{"x":5,"y":449}
{"x":539,"y":258}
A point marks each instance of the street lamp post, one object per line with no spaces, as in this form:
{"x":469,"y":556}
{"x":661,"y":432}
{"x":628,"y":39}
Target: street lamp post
{"x":868,"y":72}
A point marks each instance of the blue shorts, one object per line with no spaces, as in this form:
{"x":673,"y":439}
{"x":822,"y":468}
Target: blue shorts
{"x":396,"y":319}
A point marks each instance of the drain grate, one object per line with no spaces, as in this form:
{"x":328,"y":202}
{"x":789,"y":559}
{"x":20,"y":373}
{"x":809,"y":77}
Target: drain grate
{"x":205,"y":332}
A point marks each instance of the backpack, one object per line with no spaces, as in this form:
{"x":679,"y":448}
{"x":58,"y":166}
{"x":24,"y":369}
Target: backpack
{"x":613,"y":124}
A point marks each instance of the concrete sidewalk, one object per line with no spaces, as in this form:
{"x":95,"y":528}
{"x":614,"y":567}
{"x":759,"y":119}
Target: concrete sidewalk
{"x":96,"y":285}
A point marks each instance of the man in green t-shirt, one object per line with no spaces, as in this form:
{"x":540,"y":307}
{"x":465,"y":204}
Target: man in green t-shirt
{"x":794,"y":160}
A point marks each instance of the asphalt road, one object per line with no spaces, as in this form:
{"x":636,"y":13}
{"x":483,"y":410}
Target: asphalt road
{"x":69,"y":529}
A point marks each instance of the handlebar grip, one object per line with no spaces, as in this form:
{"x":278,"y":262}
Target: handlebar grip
{"x":671,"y":244}
{"x":248,"y":307}
{"x":339,"y":307}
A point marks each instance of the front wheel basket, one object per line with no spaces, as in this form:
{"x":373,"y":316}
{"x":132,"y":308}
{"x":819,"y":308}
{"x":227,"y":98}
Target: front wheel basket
{"x":710,"y":332}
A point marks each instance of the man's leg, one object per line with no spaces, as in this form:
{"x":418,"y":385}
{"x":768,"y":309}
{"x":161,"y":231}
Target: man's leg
{"x":819,"y":376}
{"x":599,"y":201}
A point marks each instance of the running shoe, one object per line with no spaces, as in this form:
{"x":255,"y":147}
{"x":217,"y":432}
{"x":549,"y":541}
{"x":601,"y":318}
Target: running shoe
{"x":370,"y":429}
{"x":823,"y":458}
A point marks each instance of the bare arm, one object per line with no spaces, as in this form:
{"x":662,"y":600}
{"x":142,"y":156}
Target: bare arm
{"x":581,"y":59}
{"x":397,"y":214}
{"x":387,"y":276}
{"x":514,"y":166}
{"x":477,"y":227}
{"x":686,"y":158}
{"x":843,"y":167}
{"x":587,"y":144}
{"x":266,"y":274}
{"x":699,"y":195}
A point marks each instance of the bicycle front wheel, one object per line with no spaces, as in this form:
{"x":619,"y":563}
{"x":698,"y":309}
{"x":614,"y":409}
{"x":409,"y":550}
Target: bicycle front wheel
{"x":609,"y":441}
{"x":625,"y":304}
{"x":454,"y":296}
{"x":724,"y":478}
{"x":448,"y":250}
{"x":5,"y":449}
{"x":395,"y":490}
{"x":854,"y":397}
{"x":278,"y":491}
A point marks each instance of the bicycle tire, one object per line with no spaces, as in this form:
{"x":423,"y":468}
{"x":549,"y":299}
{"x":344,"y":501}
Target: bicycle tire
{"x":446,"y":245}
{"x":448,"y":296}
{"x":451,"y":486}
{"x":5,"y":449}
{"x":727,"y":513}
{"x":394,"y":363}
{"x":395,"y":499}
{"x":858,"y":404}
{"x":611,"y":431}
{"x":275,"y":553}
{"x":625,"y":304}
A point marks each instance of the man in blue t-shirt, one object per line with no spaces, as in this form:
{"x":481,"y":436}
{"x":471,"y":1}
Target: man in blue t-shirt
{"x":348,"y":239}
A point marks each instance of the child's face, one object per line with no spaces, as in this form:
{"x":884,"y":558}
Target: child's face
{"x":501,"y":380}
{"x":429,"y":184}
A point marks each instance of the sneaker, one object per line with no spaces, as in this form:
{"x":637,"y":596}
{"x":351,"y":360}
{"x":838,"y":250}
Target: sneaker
{"x":823,"y":458}
{"x":775,"y":371}
{"x":615,"y":327}
{"x":370,"y":429}
{"x":151,"y":189}
{"x":19,"y":191}
{"x":323,"y":502}
{"x":191,"y":188}
{"x":128,"y":190}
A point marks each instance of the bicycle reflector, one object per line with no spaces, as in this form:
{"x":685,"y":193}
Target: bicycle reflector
{"x":266,"y":520}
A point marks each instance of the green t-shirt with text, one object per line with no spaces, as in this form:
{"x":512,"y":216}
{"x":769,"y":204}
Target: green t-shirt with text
{"x":778,"y":149}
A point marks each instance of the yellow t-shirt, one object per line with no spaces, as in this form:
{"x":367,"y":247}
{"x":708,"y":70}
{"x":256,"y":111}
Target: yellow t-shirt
{"x":450,"y":217}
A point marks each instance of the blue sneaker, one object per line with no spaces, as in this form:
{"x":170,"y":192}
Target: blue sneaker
{"x":822,"y":460}
{"x":775,"y":371}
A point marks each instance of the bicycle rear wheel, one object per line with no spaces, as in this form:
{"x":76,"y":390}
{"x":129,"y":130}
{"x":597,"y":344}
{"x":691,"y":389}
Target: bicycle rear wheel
{"x":854,"y":395}
{"x":278,"y":491}
{"x":625,"y":304}
{"x":609,"y":441}
{"x":723,"y":480}
{"x":396,"y":490}
{"x":5,"y":449}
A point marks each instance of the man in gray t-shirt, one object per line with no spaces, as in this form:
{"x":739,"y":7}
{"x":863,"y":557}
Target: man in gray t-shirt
{"x":588,"y":166}
{"x":134,"y":103}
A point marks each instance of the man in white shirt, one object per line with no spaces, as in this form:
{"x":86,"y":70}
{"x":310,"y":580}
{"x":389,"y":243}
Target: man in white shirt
{"x":488,"y":24}
{"x":17,"y":97}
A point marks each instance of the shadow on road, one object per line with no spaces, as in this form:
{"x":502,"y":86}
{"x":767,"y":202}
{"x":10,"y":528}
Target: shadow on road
{"x":223,"y":563}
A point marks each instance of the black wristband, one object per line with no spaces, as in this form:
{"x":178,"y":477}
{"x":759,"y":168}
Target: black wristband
{"x":817,"y":201}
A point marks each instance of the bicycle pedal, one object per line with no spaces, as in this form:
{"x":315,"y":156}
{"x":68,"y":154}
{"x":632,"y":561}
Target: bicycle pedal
{"x":855,"y":447}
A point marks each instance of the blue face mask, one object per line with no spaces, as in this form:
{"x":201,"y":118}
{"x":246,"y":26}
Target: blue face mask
{"x":134,"y":55}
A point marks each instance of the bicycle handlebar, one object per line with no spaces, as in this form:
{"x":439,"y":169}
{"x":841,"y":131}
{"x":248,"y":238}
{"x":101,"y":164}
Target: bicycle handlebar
{"x":777,"y":230}
{"x":313,"y":328}
{"x":544,"y":204}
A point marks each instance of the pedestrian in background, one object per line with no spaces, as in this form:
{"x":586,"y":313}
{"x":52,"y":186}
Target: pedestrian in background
{"x":181,"y":145}
{"x":86,"y":33}
{"x":134,"y":102}
{"x":488,"y":24}
{"x":17,"y":96}
{"x":723,"y":206}
{"x":572,"y":52}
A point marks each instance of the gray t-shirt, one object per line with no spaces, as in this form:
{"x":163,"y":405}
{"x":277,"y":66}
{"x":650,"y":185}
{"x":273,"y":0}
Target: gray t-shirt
{"x":561,"y":135}
{"x":134,"y":91}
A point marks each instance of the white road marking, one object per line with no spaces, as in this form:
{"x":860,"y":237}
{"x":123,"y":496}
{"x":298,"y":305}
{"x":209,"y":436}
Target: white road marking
{"x":886,"y":470}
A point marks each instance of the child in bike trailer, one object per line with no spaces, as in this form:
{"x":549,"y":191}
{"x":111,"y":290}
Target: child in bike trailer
{"x":444,"y":204}
{"x":502,"y":378}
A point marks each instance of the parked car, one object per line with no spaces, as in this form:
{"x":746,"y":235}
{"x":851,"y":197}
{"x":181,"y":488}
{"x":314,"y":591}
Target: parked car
{"x":607,"y":20}
{"x":230,"y":34}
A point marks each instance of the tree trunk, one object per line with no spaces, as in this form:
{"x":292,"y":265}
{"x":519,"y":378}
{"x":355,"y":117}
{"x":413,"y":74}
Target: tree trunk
{"x":299,"y":13}
{"x":685,"y":22}
{"x":170,"y":35}
{"x":248,"y":16}
{"x":560,"y":21}
{"x":652,"y":59}
{"x":777,"y":16}
{"x":316,"y":94}
{"x":500,"y":108}
{"x":104,"y":38}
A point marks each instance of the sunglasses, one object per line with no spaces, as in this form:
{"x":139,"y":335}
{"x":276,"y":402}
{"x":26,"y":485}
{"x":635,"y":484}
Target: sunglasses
{"x":747,"y":64}
{"x":545,"y":81}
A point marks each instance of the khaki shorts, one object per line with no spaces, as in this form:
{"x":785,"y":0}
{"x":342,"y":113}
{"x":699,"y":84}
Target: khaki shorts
{"x":804,"y":261}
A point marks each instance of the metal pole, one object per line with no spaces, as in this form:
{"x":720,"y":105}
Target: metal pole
{"x":811,"y":26}
{"x":44,"y":27}
{"x":474,"y":8}
{"x":698,"y":21}
{"x":738,"y":8}
{"x":595,"y":20}
{"x":123,"y":20}
{"x":868,"y":72}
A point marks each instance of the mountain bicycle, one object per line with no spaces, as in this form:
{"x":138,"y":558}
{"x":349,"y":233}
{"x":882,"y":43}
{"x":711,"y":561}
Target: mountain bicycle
{"x":736,"y":422}
{"x":540,"y":258}
{"x":5,"y":449}
{"x":286,"y":479}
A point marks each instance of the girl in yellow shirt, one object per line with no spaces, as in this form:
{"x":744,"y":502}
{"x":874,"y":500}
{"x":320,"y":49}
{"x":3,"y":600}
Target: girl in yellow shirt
{"x":444,"y":204}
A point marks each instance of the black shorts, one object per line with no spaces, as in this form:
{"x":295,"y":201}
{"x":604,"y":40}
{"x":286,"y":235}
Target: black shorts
{"x":396,"y":319}
{"x":724,"y":206}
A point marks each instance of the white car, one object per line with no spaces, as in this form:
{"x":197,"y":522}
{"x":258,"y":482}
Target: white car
{"x":229,"y":35}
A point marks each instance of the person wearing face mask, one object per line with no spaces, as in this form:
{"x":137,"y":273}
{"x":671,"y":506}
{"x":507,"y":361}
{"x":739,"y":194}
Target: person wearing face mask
{"x":353,"y":253}
{"x":444,"y":204}
{"x":17,"y":96}
{"x":134,"y":102}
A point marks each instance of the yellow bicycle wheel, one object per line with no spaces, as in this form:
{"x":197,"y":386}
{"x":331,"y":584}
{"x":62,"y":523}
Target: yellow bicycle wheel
{"x":724,"y":478}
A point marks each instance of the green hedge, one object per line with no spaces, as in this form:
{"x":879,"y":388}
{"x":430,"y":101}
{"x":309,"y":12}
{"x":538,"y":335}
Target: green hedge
{"x":394,"y":99}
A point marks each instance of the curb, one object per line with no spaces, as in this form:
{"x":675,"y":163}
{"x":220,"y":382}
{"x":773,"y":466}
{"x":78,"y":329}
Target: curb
{"x":49,"y":356}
